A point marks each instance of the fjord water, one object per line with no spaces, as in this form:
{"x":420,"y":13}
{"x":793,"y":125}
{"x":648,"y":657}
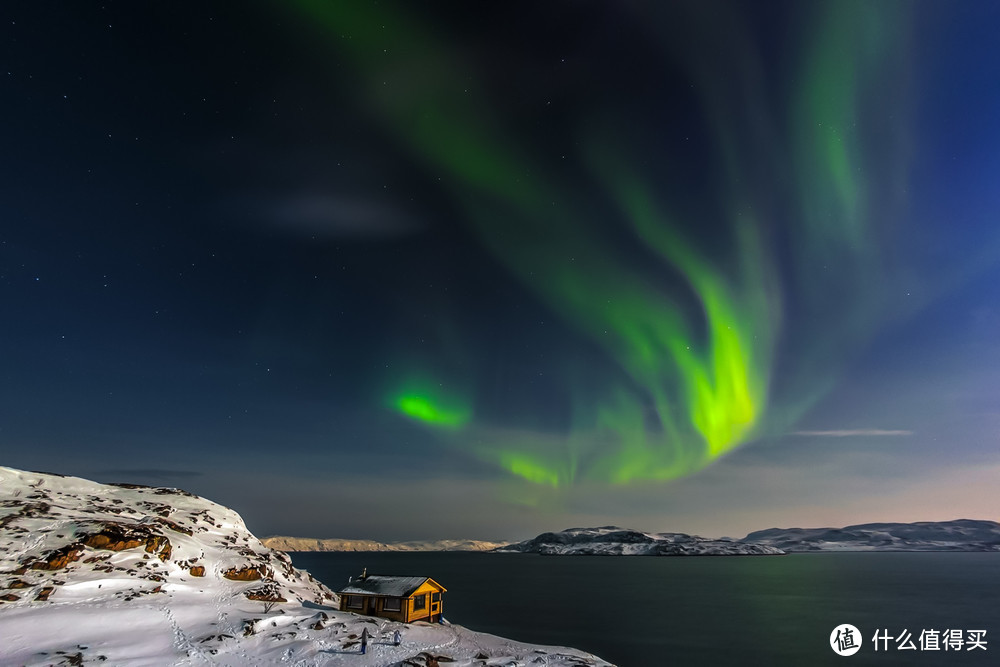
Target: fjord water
{"x":765,"y":610}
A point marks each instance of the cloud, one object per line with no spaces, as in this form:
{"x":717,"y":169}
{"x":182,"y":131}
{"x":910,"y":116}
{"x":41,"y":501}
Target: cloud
{"x":328,"y":215}
{"x":848,"y":433}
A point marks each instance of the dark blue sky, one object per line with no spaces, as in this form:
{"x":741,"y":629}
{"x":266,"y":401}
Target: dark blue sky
{"x":233,"y":237}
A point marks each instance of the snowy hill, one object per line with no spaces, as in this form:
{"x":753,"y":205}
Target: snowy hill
{"x":958,"y":535}
{"x":128,"y":575}
{"x":615,"y":541}
{"x":333,"y":544}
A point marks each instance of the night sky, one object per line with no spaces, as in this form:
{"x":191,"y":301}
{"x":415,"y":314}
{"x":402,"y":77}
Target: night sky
{"x":400,"y":270}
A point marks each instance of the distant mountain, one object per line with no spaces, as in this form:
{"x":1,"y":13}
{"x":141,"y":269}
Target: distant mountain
{"x":958,"y":535}
{"x":615,"y":541}
{"x":312,"y":544}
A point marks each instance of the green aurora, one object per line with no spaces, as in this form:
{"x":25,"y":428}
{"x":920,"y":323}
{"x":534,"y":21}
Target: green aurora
{"x":426,"y":402}
{"x":696,"y":338}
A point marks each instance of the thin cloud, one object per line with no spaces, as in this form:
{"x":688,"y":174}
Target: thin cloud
{"x":326,"y":215}
{"x":848,"y":433}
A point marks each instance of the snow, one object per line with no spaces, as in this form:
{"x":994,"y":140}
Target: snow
{"x":337,"y":544}
{"x":957,"y":535}
{"x":120,"y":564}
{"x":615,"y":541}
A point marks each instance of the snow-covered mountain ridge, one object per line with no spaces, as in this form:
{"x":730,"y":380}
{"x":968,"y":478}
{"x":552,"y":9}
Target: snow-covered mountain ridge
{"x":958,"y":535}
{"x":615,"y":541}
{"x":128,"y":575}
{"x":336,"y":544}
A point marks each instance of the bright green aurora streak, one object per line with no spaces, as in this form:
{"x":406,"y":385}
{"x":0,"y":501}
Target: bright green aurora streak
{"x":694,"y":383}
{"x":427,"y":402}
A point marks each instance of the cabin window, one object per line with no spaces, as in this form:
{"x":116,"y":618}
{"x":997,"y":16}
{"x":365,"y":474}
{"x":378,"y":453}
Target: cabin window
{"x":355,"y":602}
{"x":391,"y":604}
{"x":419,"y":603}
{"x":435,"y":597}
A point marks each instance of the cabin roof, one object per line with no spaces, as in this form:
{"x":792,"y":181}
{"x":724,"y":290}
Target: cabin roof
{"x":383,"y":584}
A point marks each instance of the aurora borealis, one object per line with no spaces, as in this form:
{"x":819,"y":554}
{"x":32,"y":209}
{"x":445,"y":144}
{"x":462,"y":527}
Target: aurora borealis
{"x":692,"y":380}
{"x":544,"y":263}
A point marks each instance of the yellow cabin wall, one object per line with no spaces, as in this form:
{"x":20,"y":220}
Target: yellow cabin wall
{"x":372,"y":605}
{"x":427,"y":589}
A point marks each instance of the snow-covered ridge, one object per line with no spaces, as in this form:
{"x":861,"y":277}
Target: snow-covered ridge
{"x":335,"y":544}
{"x":615,"y":541}
{"x":128,"y":575}
{"x":958,"y":535}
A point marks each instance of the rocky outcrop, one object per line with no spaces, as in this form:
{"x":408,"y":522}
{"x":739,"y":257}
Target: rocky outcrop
{"x":59,"y":558}
{"x":247,"y":573}
{"x":82,"y":530}
{"x":269,"y":592}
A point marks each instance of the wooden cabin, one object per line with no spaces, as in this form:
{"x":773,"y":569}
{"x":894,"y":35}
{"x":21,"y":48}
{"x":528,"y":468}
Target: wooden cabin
{"x":405,"y":599}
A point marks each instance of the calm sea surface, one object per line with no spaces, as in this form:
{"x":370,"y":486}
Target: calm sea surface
{"x":777,"y":610}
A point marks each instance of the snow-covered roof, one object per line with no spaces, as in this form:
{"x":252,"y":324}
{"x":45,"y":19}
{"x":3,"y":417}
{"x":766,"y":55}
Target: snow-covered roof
{"x":382,"y":584}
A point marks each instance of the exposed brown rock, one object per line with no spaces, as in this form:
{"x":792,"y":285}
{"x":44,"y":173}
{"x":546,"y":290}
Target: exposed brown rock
{"x":10,"y":597}
{"x":197,"y":571}
{"x":268,"y":591}
{"x":115,"y":536}
{"x":59,"y":558}
{"x":264,"y":595}
{"x":44,"y":594}
{"x":246,"y":573}
{"x":113,"y":542}
{"x":19,"y":583}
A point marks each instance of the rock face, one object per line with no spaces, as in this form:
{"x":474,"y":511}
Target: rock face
{"x":615,"y":541}
{"x":958,"y":535}
{"x":333,"y":544}
{"x":246,"y":573}
{"x":146,"y":536}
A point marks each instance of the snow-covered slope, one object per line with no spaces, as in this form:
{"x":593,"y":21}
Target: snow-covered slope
{"x":99,"y":574}
{"x":615,"y":541}
{"x":959,"y":535}
{"x":334,"y":544}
